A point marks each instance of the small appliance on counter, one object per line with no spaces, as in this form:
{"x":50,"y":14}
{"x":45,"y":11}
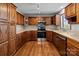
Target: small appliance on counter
{"x":41,"y":34}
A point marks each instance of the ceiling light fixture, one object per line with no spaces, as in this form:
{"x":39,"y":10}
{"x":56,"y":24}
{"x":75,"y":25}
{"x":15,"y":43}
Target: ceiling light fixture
{"x":38,"y":8}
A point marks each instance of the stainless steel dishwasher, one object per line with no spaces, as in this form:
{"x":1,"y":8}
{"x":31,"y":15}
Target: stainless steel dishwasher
{"x":61,"y":44}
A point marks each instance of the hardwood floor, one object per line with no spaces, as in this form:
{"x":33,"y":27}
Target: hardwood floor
{"x":34,"y":48}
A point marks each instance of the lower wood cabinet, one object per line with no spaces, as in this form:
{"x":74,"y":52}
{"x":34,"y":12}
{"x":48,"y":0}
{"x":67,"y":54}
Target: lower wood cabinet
{"x":4,"y":49}
{"x":12,"y":46}
{"x":49,"y":35}
{"x":28,"y":35}
{"x":33,"y":35}
{"x":72,"y":47}
{"x":23,"y":37}
{"x":18,"y":41}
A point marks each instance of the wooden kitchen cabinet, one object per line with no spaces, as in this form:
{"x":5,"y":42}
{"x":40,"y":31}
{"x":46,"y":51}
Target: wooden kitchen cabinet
{"x":33,"y":35}
{"x":33,"y":20}
{"x":12,"y":20}
{"x":77,"y":12}
{"x":12,"y":46}
{"x":12,"y":31}
{"x":18,"y":41}
{"x":49,"y":36}
{"x":7,"y":28}
{"x":56,"y":20}
{"x":4,"y":33}
{"x":12,"y":13}
{"x":4,"y":49}
{"x":48,"y":20}
{"x":24,"y":37}
{"x":72,"y":47}
{"x":70,"y":10}
{"x":4,"y":11}
{"x":20,"y":19}
{"x":73,"y":14}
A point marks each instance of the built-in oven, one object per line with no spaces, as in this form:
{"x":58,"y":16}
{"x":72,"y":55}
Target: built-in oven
{"x":41,"y":33}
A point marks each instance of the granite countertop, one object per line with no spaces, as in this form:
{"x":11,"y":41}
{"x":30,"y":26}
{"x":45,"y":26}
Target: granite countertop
{"x":66,"y":34}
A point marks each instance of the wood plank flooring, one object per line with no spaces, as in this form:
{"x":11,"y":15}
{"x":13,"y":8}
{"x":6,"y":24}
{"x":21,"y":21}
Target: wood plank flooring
{"x":34,"y":48}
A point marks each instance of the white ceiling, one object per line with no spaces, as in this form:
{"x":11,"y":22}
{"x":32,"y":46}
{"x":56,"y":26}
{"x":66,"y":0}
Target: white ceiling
{"x":44,"y":8}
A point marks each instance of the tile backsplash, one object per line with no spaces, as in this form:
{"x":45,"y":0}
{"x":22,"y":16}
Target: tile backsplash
{"x":75,"y":27}
{"x":19,"y":28}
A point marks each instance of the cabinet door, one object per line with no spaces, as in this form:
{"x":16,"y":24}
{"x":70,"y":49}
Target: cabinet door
{"x":12,"y":46}
{"x":49,"y":35}
{"x":70,"y":10}
{"x":18,"y":41}
{"x":73,"y":9}
{"x":22,"y":18}
{"x":3,"y":32}
{"x":3,"y":11}
{"x":72,"y":50}
{"x":67,"y":11}
{"x":24,"y":38}
{"x":12,"y":31}
{"x":34,"y":35}
{"x":28,"y":35}
{"x":77,"y":11}
{"x":12,"y":12}
{"x":4,"y":49}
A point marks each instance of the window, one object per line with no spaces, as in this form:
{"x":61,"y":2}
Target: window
{"x":64,"y":23}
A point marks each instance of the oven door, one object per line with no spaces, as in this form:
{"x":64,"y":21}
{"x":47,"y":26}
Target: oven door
{"x":41,"y":34}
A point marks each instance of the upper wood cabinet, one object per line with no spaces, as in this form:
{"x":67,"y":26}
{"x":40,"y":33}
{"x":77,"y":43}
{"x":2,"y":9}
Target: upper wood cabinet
{"x":56,"y":20}
{"x":70,"y":10}
{"x":47,"y":20}
{"x":12,"y":13}
{"x":77,"y":12}
{"x":3,"y":11}
{"x":20,"y":19}
{"x":33,"y":20}
{"x":72,"y":13}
